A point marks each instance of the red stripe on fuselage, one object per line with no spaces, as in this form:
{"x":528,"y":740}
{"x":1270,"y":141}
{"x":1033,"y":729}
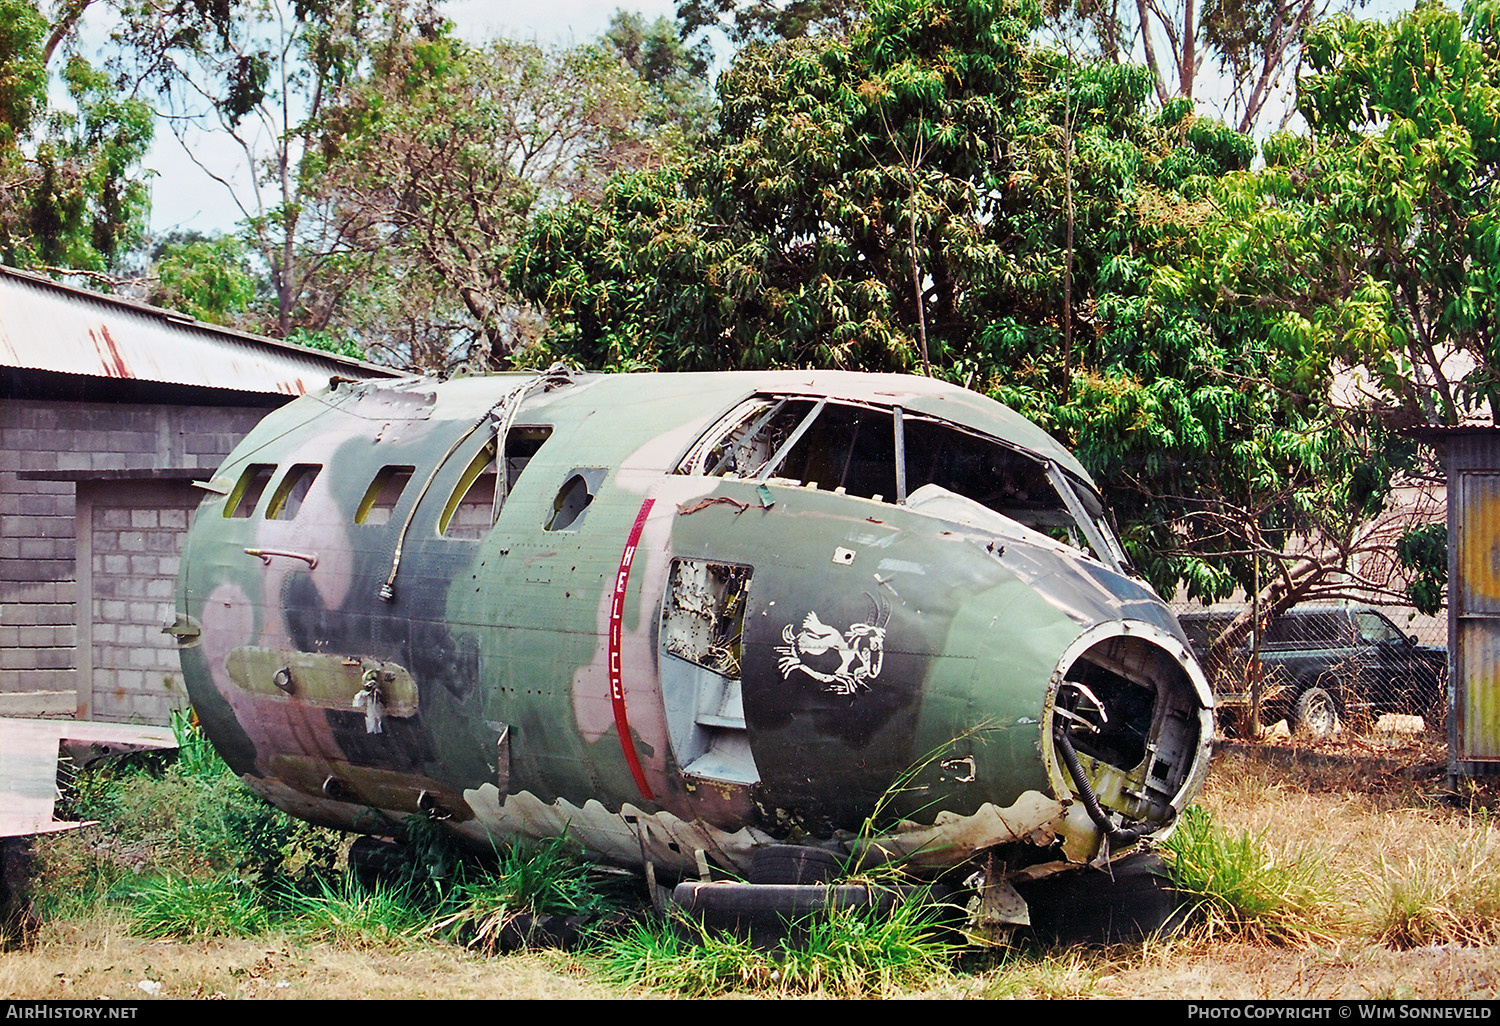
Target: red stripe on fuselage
{"x":616,"y":688}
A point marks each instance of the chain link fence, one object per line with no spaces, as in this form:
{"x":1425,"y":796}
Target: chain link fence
{"x":1322,"y":668}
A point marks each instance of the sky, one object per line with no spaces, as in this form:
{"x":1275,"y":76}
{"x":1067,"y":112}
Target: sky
{"x":184,"y":196}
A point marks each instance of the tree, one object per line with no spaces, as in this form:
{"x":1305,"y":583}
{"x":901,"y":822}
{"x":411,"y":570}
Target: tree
{"x":206,"y":277}
{"x":436,"y":161}
{"x":674,"y":74}
{"x":790,"y":241}
{"x":1194,"y":50}
{"x":262,"y":74}
{"x":72,"y":194}
{"x":934,"y":144}
{"x":1373,"y":242}
{"x":765,"y":21}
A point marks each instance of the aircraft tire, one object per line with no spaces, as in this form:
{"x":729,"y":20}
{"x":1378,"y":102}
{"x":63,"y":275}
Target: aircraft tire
{"x":376,"y":859}
{"x":767,"y":913}
{"x":792,"y":864}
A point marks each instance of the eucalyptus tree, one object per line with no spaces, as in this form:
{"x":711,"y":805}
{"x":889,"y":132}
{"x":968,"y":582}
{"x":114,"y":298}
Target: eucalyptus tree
{"x":437,"y":160}
{"x":1239,"y":57}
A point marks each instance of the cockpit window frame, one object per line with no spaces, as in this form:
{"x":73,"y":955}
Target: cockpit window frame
{"x":749,"y":417}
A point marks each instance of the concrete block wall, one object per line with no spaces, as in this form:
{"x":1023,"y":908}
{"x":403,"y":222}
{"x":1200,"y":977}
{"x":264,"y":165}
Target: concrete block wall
{"x":37,"y":591}
{"x":39,"y":595}
{"x":134,"y":533}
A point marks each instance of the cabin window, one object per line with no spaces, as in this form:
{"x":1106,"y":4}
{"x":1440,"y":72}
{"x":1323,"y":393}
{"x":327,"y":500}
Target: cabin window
{"x":521,"y":443}
{"x":286,"y":500}
{"x":573,"y":499}
{"x":472,"y":508}
{"x":383,"y":494}
{"x":475,"y":504}
{"x":1310,"y":630}
{"x":246,"y":493}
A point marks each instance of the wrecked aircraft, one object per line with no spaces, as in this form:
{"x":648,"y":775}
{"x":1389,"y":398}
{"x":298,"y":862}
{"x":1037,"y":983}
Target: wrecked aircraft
{"x":687,"y":619}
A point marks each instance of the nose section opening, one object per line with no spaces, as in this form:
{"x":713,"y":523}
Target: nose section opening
{"x":1129,"y":728}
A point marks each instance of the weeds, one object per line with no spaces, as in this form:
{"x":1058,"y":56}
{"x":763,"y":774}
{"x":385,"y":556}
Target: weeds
{"x":349,"y":915}
{"x":222,"y":906}
{"x":1065,"y":975}
{"x":846,"y":953}
{"x":1238,"y":888}
{"x":196,"y":757}
{"x":194,"y":819}
{"x":546,"y":878}
{"x":1446,"y":893}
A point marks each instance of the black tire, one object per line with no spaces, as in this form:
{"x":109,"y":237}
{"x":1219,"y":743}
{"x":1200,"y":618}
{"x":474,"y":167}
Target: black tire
{"x":375,"y":860}
{"x":767,"y":914}
{"x":792,"y":864}
{"x":1316,"y":714}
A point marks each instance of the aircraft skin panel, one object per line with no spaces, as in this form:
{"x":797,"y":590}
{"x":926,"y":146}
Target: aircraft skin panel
{"x":368,"y":647}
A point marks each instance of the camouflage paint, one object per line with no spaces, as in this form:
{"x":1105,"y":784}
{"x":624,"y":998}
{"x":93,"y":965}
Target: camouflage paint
{"x":512,"y":661}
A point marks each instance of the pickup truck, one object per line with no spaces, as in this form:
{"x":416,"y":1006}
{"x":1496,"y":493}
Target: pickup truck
{"x":1320,"y":665}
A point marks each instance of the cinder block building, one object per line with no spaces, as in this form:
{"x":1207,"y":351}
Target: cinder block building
{"x":109,"y":411}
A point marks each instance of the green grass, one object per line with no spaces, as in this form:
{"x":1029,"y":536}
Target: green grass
{"x":347,"y":915}
{"x":222,"y":906}
{"x":847,"y":953}
{"x":543,"y":878}
{"x":1238,"y":887}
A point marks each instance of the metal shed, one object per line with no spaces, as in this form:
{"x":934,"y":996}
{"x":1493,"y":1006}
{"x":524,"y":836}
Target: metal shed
{"x":1471,"y":461}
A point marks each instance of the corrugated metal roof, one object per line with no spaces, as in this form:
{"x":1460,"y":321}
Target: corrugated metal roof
{"x":48,"y":326}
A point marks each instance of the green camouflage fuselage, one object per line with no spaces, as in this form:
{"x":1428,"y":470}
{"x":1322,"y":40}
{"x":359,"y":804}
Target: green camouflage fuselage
{"x":527,"y":606}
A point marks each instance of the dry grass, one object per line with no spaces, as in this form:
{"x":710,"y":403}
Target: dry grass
{"x":99,"y":959}
{"x":1412,"y":911}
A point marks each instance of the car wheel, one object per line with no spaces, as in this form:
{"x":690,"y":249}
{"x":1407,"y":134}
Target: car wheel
{"x":1316,"y":714}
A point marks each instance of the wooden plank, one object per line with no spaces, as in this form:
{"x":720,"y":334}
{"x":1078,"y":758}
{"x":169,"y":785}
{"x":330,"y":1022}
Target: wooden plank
{"x":29,"y":752}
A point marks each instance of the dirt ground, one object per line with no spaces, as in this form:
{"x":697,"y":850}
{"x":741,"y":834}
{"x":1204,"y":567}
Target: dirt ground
{"x":1359,"y":806}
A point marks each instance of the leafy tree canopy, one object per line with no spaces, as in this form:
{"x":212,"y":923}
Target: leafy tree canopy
{"x":1373,"y":242}
{"x":931,"y":181}
{"x":72,"y":193}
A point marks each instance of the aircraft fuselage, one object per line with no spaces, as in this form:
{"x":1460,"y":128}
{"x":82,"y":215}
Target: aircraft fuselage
{"x":672,"y":614}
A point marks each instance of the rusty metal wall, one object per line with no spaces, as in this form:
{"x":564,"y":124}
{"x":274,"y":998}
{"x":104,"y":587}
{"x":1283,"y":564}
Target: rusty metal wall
{"x":1473,"y":463}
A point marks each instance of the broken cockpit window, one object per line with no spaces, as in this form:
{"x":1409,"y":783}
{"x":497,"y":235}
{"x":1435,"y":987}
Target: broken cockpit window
{"x":521,"y":443}
{"x":886,"y":454}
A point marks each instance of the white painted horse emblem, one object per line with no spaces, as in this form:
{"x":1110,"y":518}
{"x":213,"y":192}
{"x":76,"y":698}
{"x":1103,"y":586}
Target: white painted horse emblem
{"x":845,"y":663}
